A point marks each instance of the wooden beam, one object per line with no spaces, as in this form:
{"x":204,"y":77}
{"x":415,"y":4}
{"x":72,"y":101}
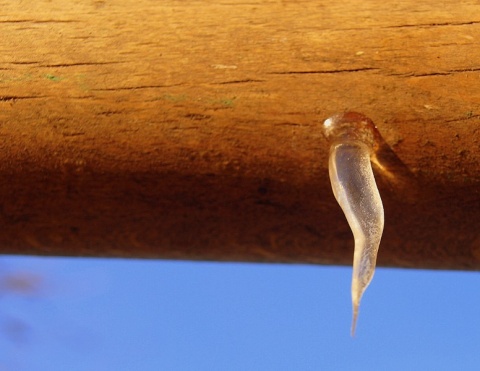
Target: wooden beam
{"x":191,"y":129}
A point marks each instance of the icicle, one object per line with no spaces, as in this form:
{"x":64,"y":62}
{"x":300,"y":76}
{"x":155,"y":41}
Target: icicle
{"x":353,"y":139}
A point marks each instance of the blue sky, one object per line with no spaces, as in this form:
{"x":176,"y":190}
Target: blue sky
{"x":101,"y":314}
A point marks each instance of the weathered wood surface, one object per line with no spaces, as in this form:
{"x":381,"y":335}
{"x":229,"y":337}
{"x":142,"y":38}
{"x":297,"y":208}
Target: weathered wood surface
{"x":190,"y":129}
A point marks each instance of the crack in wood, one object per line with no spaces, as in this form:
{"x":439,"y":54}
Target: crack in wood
{"x":469,"y":117}
{"x":23,"y":63}
{"x":443,"y":24}
{"x":319,"y":72}
{"x":78,"y":64}
{"x":40,"y":21}
{"x":10,"y":98}
{"x":437,"y":73}
{"x":138,"y":87}
{"x":246,"y":81}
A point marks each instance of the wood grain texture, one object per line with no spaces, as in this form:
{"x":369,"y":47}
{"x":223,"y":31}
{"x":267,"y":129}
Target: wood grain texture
{"x":191,"y":129}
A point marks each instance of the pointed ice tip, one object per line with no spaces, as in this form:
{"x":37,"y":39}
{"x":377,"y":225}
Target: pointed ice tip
{"x":354,"y":320}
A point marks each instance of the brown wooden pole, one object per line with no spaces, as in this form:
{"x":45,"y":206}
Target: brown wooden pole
{"x":191,"y":129}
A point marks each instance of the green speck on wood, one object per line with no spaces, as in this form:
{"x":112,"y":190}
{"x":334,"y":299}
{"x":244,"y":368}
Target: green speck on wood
{"x":228,"y":102}
{"x":175,"y":98}
{"x":53,"y":77}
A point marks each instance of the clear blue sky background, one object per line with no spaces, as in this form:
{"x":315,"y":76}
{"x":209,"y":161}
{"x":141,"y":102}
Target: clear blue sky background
{"x":99,"y":314}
